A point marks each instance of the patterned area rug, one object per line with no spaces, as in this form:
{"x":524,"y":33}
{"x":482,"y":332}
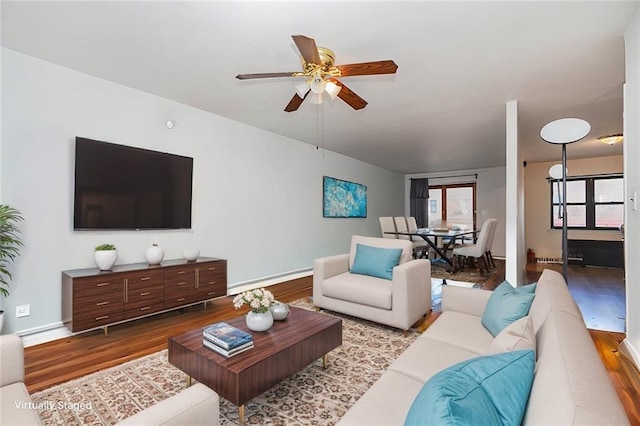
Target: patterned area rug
{"x":468,"y":274}
{"x":312,"y":396}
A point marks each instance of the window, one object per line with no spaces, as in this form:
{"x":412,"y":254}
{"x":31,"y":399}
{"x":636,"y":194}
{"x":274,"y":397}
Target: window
{"x":453,"y":204}
{"x":592,"y":202}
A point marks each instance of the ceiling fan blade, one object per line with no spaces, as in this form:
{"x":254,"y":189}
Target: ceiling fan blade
{"x":368,"y":68}
{"x":295,"y":102}
{"x":308,"y":49}
{"x":264,"y":75}
{"x":350,"y":97}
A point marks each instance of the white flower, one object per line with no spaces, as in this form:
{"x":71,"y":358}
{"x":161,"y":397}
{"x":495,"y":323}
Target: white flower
{"x":259,"y":300}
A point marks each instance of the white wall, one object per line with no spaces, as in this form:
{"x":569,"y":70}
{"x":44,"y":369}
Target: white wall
{"x":547,"y":242}
{"x":631,"y":345}
{"x":257,"y":196}
{"x":490,"y":197}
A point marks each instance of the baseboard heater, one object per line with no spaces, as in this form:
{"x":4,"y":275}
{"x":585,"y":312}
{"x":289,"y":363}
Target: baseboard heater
{"x":596,"y":253}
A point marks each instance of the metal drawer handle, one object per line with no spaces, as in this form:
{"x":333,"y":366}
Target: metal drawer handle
{"x":145,"y":278}
{"x":180,"y":300}
{"x":145,"y":308}
{"x":211,"y":293}
{"x":212,"y":282}
{"x":102,"y":303}
{"x":181,"y":272}
{"x":146,"y":293}
{"x":102,"y":317}
{"x":181,"y":283}
{"x":212,"y":268}
{"x":101,"y":284}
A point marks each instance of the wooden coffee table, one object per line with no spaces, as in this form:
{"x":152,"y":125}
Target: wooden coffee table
{"x":286,"y":348}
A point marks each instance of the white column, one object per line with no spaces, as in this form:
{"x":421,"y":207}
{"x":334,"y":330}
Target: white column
{"x":630,"y":347}
{"x":514,"y":226}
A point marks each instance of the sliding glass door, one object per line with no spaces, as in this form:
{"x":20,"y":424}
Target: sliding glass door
{"x":453,"y":204}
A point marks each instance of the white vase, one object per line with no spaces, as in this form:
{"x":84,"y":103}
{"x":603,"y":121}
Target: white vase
{"x":279,"y":311}
{"x":259,"y":321}
{"x":154,"y":255}
{"x":1,"y":320}
{"x":191,"y":254}
{"x":105,"y":259}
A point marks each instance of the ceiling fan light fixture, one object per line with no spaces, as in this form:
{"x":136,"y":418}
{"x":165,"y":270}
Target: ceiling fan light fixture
{"x":317,"y":84}
{"x":611,"y":139}
{"x":332,"y":89}
{"x":316,"y":98}
{"x":302,"y":88}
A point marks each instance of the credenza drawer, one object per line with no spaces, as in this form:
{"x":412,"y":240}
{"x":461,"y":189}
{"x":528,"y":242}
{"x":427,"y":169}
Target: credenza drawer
{"x":89,"y":305}
{"x":141,"y":308}
{"x":97,"y":318}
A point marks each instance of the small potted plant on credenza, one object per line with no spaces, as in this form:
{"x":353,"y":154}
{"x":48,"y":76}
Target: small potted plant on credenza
{"x":106,"y":255}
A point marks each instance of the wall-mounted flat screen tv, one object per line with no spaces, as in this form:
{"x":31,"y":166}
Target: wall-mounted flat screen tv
{"x":122,"y":187}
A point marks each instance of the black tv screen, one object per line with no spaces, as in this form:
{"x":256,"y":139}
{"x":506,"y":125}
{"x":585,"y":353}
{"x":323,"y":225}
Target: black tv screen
{"x":122,"y":187}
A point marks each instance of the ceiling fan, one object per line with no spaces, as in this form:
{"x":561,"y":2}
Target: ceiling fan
{"x":321,"y":75}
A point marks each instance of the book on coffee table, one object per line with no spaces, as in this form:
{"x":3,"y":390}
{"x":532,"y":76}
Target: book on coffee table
{"x":226,"y":336}
{"x":227,"y":353}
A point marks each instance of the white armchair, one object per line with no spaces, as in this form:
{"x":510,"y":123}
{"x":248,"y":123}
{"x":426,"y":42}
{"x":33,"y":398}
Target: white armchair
{"x":399,"y":302}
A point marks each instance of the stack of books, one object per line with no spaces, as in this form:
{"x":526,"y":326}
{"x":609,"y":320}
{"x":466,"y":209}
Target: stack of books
{"x":226,"y":339}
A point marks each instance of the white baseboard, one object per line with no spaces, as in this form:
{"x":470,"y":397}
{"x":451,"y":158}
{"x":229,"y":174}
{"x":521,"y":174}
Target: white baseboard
{"x":238,"y":288}
{"x":627,"y":349}
{"x":44,"y":334}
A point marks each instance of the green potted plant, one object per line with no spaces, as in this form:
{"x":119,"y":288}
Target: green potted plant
{"x":106,"y":256}
{"x":10,"y":244}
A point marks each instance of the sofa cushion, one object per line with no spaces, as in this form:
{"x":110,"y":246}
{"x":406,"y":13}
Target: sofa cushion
{"x":16,"y":406}
{"x":360,"y":289}
{"x":516,"y":336}
{"x":461,"y":330}
{"x":491,"y":389}
{"x":375,"y":261}
{"x":506,"y":305}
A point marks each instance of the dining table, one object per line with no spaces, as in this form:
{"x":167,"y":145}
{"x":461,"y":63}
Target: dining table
{"x":440,"y":240}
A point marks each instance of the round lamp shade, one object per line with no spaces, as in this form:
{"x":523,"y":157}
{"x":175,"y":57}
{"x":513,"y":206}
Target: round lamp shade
{"x":565,"y":130}
{"x":556,"y":171}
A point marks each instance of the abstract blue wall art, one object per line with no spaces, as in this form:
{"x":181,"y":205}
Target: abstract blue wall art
{"x":343,"y":199}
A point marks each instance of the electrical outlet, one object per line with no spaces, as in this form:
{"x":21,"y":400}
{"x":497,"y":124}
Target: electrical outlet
{"x":23,"y":311}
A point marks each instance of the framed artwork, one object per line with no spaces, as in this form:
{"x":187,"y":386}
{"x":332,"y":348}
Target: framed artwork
{"x":341,"y":198}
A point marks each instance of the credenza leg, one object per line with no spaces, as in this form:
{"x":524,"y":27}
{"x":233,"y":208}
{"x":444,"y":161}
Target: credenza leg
{"x":105,"y":330}
{"x":241,"y":415}
{"x":189,"y":381}
{"x":325,"y":361}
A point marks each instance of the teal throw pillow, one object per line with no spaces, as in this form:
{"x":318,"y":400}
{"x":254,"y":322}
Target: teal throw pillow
{"x":488,"y":390}
{"x":375,"y":261}
{"x":528,"y":288}
{"x":506,"y":305}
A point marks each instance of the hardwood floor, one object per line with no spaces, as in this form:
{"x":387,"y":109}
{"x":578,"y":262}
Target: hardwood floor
{"x":56,"y":362}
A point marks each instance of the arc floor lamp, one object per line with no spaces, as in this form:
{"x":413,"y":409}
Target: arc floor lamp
{"x":563,"y":132}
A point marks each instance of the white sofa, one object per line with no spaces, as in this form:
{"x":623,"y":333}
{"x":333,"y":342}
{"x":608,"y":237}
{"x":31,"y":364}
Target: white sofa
{"x":399,"y":302}
{"x":196,"y":405}
{"x":570,"y":385}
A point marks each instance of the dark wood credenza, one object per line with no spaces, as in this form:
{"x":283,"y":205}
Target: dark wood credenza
{"x":96,"y":299}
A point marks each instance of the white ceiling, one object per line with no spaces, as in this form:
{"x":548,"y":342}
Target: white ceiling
{"x":459,"y":62}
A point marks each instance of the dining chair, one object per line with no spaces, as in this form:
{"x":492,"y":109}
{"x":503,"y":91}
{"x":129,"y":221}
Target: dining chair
{"x":387,"y":225}
{"x":475,"y":251}
{"x":419,"y":244}
{"x":492,"y":233}
{"x":401,"y":226}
